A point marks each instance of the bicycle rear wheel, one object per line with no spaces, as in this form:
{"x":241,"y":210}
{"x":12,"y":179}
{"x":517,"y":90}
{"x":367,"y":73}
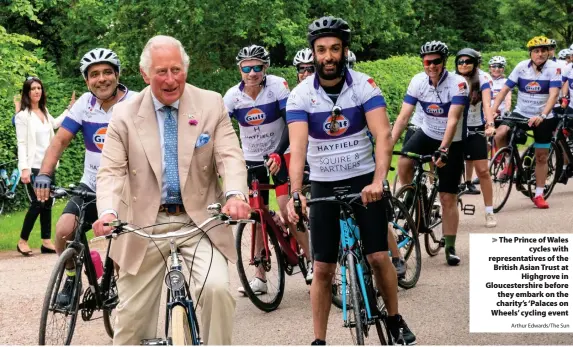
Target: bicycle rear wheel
{"x":180,"y":330}
{"x":554,"y":167}
{"x":356,"y":300}
{"x":406,"y":235}
{"x":275,"y":283}
{"x":51,"y":310}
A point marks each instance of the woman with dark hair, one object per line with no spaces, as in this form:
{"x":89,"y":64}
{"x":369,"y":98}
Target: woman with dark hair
{"x":479,"y":119}
{"x":34,"y":131}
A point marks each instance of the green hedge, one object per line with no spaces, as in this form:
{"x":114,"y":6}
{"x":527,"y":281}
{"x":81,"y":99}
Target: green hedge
{"x":392,"y":75}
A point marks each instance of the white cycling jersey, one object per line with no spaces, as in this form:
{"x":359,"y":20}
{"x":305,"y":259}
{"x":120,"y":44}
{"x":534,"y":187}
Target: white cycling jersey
{"x":433,"y":104}
{"x":564,"y":72}
{"x":533,"y":86}
{"x":260,"y":123}
{"x":569,"y":80}
{"x":497,"y":84}
{"x":88,"y":116}
{"x":338,"y":146}
{"x":475,"y":114}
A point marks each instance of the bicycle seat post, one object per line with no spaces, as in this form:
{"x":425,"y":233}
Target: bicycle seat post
{"x":174,"y":258}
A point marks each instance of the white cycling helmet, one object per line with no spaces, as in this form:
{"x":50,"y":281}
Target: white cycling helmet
{"x":564,"y":53}
{"x":99,"y":55}
{"x":304,"y":56}
{"x":351,"y":59}
{"x":497,"y":60}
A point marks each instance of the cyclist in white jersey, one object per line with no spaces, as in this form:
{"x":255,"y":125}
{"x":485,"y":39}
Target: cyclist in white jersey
{"x":329,"y":115}
{"x":539,"y":81}
{"x":90,"y":114}
{"x":479,"y":119}
{"x":440,"y":98}
{"x":497,"y":72}
{"x":351,"y":60}
{"x":258,"y":104}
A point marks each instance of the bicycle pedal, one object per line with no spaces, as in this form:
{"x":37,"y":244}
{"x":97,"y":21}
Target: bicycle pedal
{"x":155,"y":342}
{"x":442,"y":242}
{"x":469,"y":209}
{"x":10,"y":195}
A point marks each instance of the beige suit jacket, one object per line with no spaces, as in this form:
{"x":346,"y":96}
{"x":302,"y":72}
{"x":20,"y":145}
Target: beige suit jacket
{"x":130,"y":174}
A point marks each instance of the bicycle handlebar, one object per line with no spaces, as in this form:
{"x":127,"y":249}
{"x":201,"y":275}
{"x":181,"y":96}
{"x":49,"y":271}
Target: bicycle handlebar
{"x":422,"y":159}
{"x":59,"y":192}
{"x":121,"y":228}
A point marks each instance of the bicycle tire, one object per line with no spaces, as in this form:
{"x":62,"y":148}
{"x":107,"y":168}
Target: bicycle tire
{"x":357,"y":305}
{"x":408,"y":282}
{"x":273,"y":304}
{"x":109,"y":293}
{"x":180,"y":330}
{"x":336,"y":288}
{"x":556,"y":168}
{"x":56,"y":278}
{"x":496,"y":165}
{"x":527,"y":172}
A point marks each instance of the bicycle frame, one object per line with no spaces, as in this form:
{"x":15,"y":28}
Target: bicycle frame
{"x":258,"y":206}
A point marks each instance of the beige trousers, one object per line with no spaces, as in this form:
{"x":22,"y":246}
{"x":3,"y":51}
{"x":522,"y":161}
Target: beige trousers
{"x":140,"y":295}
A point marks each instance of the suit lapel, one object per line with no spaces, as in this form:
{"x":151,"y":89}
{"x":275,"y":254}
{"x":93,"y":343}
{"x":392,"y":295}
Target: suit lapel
{"x":148,"y":131}
{"x":187,"y":134}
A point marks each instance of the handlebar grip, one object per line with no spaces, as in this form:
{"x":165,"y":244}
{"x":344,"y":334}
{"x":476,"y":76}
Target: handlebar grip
{"x":298,"y":210}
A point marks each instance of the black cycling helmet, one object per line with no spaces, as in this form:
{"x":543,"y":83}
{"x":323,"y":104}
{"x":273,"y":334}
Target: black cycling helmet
{"x":434,"y":47}
{"x":253,"y":52}
{"x":329,"y":26}
{"x":469,"y":52}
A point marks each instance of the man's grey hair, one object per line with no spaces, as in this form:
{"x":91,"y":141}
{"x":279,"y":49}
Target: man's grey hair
{"x":161,"y":41}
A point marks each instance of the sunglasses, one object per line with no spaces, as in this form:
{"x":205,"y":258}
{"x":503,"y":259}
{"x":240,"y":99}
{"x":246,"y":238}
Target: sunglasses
{"x":497,"y":66}
{"x":336,"y":111}
{"x":303,"y":69}
{"x":465,"y":62}
{"x":436,"y":62}
{"x":256,"y":68}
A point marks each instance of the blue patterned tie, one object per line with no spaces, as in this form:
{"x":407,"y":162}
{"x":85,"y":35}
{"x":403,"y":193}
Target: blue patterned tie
{"x":171,"y":166}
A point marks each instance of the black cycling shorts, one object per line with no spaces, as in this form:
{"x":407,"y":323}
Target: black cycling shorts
{"x":450,"y":174}
{"x":261,"y":174}
{"x":543,"y":133}
{"x":475,"y":145}
{"x":90,"y":210}
{"x":325,"y":220}
{"x":408,"y":135}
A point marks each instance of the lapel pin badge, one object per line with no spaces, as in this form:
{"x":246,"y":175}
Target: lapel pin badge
{"x":192,"y":120}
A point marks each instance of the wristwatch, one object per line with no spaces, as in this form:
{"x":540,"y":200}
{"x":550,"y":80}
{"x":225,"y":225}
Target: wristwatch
{"x":490,"y":124}
{"x":443,"y":149}
{"x":236,"y":196}
{"x":544,"y":116}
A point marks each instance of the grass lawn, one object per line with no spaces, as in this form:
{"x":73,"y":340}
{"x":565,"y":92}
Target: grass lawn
{"x":11,"y":224}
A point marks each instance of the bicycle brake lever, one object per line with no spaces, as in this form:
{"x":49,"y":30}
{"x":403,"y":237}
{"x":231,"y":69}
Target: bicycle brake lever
{"x":298,"y":209}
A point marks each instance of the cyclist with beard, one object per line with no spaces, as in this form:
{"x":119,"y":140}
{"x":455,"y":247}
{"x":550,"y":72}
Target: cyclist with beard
{"x":439,"y":97}
{"x":329,"y":114}
{"x":258,"y":104}
{"x":539,"y":81}
{"x":90,"y":114}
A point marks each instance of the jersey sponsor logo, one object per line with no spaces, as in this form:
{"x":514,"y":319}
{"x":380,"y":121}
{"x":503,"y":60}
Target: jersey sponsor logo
{"x":558,"y":71}
{"x":286,"y":84}
{"x":462,"y":87}
{"x":255,"y":117}
{"x":533,"y":87}
{"x":336,"y":125}
{"x":434,"y":109}
{"x":372,"y":83}
{"x":99,"y":138}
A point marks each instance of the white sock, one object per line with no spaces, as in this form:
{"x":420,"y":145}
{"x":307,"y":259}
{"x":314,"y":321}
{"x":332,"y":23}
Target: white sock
{"x":489,"y":209}
{"x":538,"y":191}
{"x":565,"y":167}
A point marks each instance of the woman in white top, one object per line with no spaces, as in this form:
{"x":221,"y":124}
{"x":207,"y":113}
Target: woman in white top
{"x":34,"y":131}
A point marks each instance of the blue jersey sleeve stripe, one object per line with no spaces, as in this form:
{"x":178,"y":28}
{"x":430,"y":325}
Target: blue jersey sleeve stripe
{"x":459,"y":100}
{"x":374,"y":102}
{"x":409,"y":99}
{"x":564,"y":79}
{"x":282,"y":103}
{"x":71,"y":125}
{"x":296,"y":116}
{"x":485,"y":86}
{"x":555,"y":84}
{"x":510,"y":83}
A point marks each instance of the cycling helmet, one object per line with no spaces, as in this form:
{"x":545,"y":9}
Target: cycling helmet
{"x":538,"y":41}
{"x":498,"y":60}
{"x":553,"y":43}
{"x":329,"y":26}
{"x":99,"y":55}
{"x":472,"y":53}
{"x":434,"y":47}
{"x":563,"y":53}
{"x":253,"y":52}
{"x":351,"y":59}
{"x":304,"y":56}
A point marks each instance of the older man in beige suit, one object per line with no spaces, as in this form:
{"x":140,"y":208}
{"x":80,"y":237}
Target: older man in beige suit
{"x":163,"y":153}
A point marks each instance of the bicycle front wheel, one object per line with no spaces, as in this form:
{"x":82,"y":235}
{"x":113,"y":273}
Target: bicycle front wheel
{"x":356,"y":300}
{"x":267,"y":293}
{"x":501,"y":169}
{"x":110,"y":294}
{"x":554,"y":167}
{"x":406,"y":234}
{"x":58,"y":320}
{"x":180,"y":330}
